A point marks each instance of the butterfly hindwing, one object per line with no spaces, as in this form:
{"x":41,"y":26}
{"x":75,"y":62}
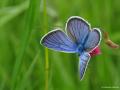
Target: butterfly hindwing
{"x":93,"y":40}
{"x":58,"y":40}
{"x":83,"y":62}
{"x":77,"y":29}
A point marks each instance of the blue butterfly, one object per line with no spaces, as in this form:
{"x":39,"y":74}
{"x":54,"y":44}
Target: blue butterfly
{"x":79,"y":38}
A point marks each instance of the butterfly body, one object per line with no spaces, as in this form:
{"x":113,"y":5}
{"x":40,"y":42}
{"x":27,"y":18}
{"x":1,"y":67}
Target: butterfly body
{"x":79,"y":38}
{"x":80,"y":49}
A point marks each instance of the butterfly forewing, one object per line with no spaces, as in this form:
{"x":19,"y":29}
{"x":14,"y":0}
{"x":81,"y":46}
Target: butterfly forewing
{"x":77,"y":29}
{"x":93,"y":39}
{"x":58,"y":40}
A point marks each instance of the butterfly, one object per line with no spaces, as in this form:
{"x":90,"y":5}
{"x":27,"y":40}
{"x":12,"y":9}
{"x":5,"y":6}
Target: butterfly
{"x":79,"y":38}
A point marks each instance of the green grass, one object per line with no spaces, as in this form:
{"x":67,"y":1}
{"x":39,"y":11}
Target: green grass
{"x":45,"y":24}
{"x":25,"y":63}
{"x":29,"y":26}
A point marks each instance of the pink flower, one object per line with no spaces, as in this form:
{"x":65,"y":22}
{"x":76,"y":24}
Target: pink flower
{"x":95,"y":52}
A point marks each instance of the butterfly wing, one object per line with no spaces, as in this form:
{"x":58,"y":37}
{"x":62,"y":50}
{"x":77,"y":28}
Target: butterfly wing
{"x":93,"y":40}
{"x":77,"y":29}
{"x":58,"y":40}
{"x":83,"y":62}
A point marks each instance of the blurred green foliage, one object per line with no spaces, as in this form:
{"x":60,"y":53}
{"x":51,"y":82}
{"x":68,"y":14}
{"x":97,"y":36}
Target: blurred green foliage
{"x":22,"y":58}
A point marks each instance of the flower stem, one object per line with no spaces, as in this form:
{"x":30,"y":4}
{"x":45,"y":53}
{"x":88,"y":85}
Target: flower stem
{"x":46,"y":50}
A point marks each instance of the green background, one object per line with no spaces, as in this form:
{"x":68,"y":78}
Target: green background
{"x":22,"y":58}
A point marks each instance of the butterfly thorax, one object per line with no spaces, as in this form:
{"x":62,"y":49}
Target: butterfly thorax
{"x":80,"y":49}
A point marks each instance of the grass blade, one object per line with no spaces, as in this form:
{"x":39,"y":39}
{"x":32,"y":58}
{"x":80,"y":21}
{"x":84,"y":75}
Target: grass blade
{"x":46,"y":50}
{"x":30,"y":22}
